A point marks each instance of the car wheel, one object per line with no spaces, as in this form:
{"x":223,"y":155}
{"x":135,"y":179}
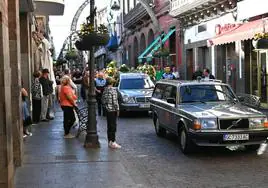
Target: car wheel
{"x":252,"y":147}
{"x":160,"y":131}
{"x":186,"y":145}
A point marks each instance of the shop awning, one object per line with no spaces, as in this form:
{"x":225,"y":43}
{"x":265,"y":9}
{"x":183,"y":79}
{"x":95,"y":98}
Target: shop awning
{"x":158,"y":45}
{"x":150,"y":47}
{"x":241,"y":32}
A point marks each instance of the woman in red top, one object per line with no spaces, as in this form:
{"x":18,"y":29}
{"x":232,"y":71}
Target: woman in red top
{"x":67,"y":102}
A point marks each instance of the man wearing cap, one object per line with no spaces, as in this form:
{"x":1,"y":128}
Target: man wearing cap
{"x":47,"y":87}
{"x":100,"y":84}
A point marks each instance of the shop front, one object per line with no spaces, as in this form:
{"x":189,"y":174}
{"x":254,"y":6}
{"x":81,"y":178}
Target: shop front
{"x":198,"y":55}
{"x":239,"y":63}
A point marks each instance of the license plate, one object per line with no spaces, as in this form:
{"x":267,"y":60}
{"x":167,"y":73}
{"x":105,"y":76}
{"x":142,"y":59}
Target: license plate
{"x":144,"y":105}
{"x":235,"y":137}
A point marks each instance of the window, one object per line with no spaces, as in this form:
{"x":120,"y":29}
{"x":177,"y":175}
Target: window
{"x":201,"y":28}
{"x":158,"y":91}
{"x":205,"y":93}
{"x":136,"y":83}
{"x":170,"y":92}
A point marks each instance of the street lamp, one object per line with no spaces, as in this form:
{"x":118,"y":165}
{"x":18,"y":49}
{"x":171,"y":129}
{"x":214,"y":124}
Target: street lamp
{"x":92,"y":138}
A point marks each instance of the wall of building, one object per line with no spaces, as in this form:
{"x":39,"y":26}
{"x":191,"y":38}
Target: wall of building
{"x":6,"y":138}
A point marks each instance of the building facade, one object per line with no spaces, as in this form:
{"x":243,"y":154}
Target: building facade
{"x":148,"y":31}
{"x":17,"y":21}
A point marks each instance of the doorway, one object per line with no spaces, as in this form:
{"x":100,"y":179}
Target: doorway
{"x":263,"y":77}
{"x":190,"y":63}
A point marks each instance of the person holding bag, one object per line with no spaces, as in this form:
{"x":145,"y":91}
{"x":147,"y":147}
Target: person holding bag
{"x":68,"y":104}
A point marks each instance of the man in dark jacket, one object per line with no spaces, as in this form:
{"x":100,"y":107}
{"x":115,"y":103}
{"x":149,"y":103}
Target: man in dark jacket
{"x":207,"y":75}
{"x":47,"y":87}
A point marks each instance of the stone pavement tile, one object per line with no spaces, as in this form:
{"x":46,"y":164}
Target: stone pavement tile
{"x":105,"y":174}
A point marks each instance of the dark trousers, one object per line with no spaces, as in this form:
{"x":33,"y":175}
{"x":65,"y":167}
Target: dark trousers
{"x":111,"y":125}
{"x":68,"y":118}
{"x":36,"y":110}
{"x":100,"y":107}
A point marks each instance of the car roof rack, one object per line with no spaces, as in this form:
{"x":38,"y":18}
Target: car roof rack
{"x":208,"y":80}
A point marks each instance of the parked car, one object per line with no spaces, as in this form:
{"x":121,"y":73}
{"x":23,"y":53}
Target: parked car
{"x":205,"y":113}
{"x":135,"y":91}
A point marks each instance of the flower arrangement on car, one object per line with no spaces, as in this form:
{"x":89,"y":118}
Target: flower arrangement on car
{"x":147,"y":69}
{"x":90,"y":36}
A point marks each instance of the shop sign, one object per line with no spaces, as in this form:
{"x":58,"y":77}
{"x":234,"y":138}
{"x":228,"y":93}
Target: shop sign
{"x":221,"y":29}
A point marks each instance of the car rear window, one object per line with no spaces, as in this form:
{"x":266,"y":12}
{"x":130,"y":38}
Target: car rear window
{"x":136,"y":83}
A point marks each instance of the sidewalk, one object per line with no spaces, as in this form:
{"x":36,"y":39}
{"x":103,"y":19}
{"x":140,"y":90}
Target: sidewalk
{"x":50,"y":161}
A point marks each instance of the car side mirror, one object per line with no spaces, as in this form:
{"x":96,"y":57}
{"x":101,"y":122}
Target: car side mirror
{"x":171,"y":100}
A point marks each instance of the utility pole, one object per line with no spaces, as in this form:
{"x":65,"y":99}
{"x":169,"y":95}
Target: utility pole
{"x":92,"y":138}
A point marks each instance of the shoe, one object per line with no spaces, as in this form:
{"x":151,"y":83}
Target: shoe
{"x":24,"y":135}
{"x":114,"y":145}
{"x":45,"y":120}
{"x":28,"y":133}
{"x":69,"y":136}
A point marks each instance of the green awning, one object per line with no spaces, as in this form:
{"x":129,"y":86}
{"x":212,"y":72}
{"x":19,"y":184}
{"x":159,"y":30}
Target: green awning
{"x":149,"y":48}
{"x":157,"y":46}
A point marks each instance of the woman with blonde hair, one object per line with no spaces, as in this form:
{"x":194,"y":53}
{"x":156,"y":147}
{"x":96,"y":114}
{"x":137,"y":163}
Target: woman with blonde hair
{"x":68,"y":103}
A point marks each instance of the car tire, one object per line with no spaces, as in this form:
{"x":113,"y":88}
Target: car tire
{"x":186,"y":145}
{"x":252,"y":147}
{"x":160,"y":131}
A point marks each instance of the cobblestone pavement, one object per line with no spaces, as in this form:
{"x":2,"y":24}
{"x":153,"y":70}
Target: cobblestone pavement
{"x":145,"y":160}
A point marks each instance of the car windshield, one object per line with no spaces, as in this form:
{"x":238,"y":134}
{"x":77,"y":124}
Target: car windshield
{"x":136,"y":83}
{"x":206,"y":93}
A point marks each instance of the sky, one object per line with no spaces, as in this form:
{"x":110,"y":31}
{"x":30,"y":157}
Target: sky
{"x":60,"y":25}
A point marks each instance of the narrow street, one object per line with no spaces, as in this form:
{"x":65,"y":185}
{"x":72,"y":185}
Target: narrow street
{"x":145,"y":160}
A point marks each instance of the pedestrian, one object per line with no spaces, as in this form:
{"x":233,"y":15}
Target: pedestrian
{"x":27,"y":120}
{"x":110,"y":102}
{"x":77,"y":79}
{"x":168,"y":74}
{"x":207,"y":75}
{"x":37,"y":95}
{"x":100,"y":84}
{"x":68,"y":104}
{"x":175,"y":72}
{"x":46,"y":86}
{"x":197,"y":74}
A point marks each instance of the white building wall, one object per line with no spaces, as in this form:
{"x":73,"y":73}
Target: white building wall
{"x":192,"y":35}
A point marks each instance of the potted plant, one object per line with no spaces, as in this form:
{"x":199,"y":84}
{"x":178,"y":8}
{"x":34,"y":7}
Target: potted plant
{"x":90,"y":36}
{"x":71,"y":55}
{"x":260,"y":41}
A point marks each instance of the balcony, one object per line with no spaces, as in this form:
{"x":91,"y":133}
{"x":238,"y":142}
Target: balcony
{"x":49,"y":7}
{"x":135,"y":16}
{"x":185,"y":7}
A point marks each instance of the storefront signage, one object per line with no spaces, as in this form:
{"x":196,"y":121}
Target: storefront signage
{"x":221,"y":29}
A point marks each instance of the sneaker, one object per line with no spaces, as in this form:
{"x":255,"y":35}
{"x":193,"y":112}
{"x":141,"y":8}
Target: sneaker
{"x":114,"y":145}
{"x":69,"y":136}
{"x":24,"y":135}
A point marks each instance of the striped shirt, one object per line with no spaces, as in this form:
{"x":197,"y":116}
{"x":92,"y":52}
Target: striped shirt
{"x":110,"y":99}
